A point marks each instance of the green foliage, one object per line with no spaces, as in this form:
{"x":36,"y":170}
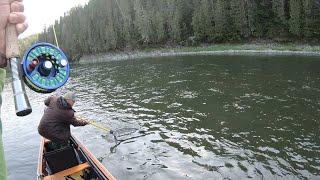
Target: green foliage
{"x":280,"y":26}
{"x":311,"y":19}
{"x":109,"y":25}
{"x":239,"y":21}
{"x":202,"y":21}
{"x":295,"y":17}
{"x":220,"y":19}
{"x":25,"y":43}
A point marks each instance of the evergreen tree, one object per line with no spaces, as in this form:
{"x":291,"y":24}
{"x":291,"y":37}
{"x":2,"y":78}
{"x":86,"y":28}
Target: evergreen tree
{"x":280,"y":22}
{"x":107,"y":25}
{"x":220,"y":19}
{"x":311,"y":19}
{"x":295,"y":17}
{"x":239,"y":19}
{"x":202,"y":20}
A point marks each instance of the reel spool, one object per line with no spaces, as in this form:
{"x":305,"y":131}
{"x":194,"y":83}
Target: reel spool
{"x":45,"y":68}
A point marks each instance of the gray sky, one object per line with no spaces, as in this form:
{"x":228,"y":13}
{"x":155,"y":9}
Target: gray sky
{"x":41,"y":13}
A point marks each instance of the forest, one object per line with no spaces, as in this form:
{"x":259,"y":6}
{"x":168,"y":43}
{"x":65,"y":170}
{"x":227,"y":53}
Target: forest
{"x":111,"y":25}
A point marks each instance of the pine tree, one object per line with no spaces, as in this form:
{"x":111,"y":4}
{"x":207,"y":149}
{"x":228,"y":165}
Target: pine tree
{"x":311,"y":19}
{"x":202,"y":21}
{"x":107,"y":25}
{"x":220,"y":19}
{"x":239,"y":19}
{"x":295,"y":17}
{"x":280,"y":22}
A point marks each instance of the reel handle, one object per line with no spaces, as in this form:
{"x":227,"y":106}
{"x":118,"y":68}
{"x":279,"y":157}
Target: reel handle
{"x":21,"y":100}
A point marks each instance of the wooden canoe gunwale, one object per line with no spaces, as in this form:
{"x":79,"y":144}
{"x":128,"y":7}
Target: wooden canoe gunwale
{"x":93,"y":161}
{"x":40,"y":160}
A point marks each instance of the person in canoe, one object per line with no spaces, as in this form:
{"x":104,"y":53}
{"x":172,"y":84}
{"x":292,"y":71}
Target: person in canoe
{"x":57,"y":118}
{"x":10,"y":12}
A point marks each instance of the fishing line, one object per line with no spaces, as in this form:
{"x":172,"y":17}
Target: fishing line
{"x":120,"y":9}
{"x":113,"y":148}
{"x":55,"y":35}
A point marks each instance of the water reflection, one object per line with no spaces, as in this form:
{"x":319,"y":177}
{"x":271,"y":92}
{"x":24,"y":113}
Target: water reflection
{"x":225,"y":115}
{"x":203,"y":117}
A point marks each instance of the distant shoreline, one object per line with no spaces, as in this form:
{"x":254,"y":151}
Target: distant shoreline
{"x":222,"y":49}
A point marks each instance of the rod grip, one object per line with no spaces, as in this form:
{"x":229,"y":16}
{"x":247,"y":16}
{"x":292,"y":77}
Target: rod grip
{"x":12,"y":46}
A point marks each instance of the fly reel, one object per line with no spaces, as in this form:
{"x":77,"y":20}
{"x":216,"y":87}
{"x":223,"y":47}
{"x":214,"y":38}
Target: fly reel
{"x":45,"y":68}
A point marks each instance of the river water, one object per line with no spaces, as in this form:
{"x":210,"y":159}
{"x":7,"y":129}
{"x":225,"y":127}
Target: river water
{"x":195,"y":117}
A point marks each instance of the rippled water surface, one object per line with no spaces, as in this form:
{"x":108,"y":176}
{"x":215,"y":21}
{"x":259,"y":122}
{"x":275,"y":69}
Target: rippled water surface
{"x":202,"y":117}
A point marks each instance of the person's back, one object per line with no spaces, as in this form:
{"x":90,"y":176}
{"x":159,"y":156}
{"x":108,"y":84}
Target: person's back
{"x":57,"y":118}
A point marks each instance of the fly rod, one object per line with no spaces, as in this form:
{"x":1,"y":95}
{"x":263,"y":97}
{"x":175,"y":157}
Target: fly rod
{"x":44,"y":69}
{"x":99,"y":126}
{"x":21,"y":100}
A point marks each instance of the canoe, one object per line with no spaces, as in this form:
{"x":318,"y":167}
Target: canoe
{"x":71,"y":162}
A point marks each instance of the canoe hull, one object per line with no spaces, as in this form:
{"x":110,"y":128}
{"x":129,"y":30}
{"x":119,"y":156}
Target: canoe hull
{"x":79,"y":161}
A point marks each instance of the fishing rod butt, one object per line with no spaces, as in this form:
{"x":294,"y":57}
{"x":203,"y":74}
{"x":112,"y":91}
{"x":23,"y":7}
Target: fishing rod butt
{"x":21,"y":100}
{"x":22,"y":104}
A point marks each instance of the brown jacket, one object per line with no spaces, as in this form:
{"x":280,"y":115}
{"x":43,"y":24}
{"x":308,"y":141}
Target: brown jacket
{"x":57,"y":118}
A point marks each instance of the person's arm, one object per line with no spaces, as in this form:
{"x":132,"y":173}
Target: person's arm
{"x":10,"y":11}
{"x":3,"y":172}
{"x":77,"y":122}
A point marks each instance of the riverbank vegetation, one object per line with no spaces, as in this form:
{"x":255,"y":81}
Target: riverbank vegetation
{"x":244,"y":46}
{"x":114,"y":25}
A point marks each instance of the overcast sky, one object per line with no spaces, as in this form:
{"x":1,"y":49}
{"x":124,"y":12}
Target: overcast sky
{"x":42,"y":13}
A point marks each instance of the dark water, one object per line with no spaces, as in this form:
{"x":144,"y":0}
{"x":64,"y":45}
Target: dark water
{"x":202,"y":117}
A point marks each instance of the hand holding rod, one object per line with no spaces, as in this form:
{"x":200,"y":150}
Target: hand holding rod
{"x":21,"y":100}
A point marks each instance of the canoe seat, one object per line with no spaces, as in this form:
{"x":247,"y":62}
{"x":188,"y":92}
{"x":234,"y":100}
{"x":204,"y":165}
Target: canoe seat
{"x":61,"y":159}
{"x":67,"y":172}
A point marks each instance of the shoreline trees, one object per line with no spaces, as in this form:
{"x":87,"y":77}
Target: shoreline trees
{"x":108,"y":25}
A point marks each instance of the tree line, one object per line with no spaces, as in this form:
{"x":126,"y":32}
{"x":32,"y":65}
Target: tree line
{"x":108,"y":25}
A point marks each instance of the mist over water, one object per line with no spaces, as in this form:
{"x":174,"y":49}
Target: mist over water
{"x":195,"y":117}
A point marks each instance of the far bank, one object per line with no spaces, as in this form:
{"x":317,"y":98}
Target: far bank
{"x":217,"y":49}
